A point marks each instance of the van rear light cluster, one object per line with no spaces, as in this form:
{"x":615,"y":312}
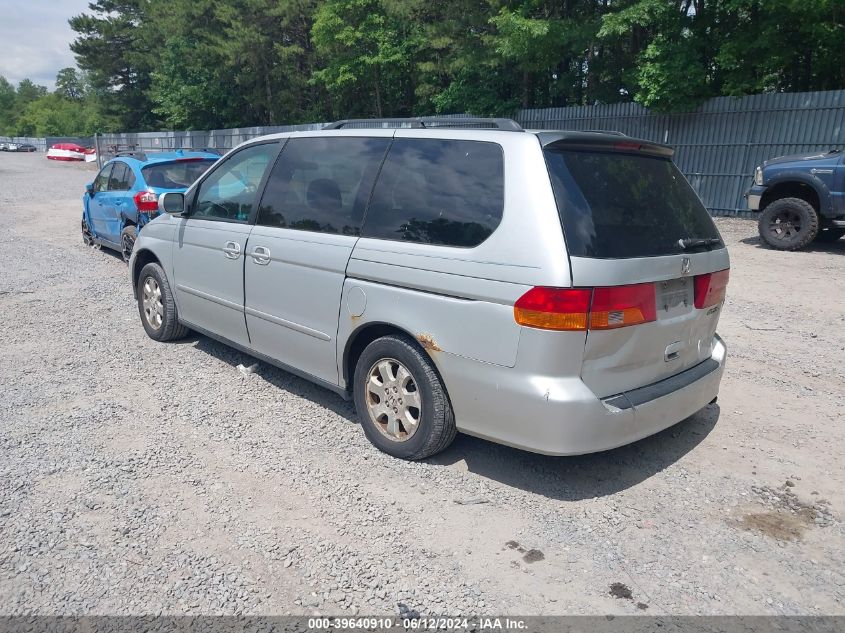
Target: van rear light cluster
{"x":608,"y":307}
{"x":586,"y":308}
{"x":146,"y":201}
{"x":710,"y":288}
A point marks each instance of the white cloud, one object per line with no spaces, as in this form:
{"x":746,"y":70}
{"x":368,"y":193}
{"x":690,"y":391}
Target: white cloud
{"x":35,"y":38}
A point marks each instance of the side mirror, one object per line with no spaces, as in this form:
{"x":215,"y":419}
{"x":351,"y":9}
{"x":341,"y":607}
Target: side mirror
{"x":172,"y":202}
{"x":90,"y":189}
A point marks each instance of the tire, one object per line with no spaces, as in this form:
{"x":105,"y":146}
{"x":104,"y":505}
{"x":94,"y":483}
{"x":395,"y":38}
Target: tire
{"x":829,"y":236}
{"x":788,"y":224}
{"x":153,"y":288}
{"x":127,"y":241}
{"x":87,"y":237}
{"x":435,"y":427}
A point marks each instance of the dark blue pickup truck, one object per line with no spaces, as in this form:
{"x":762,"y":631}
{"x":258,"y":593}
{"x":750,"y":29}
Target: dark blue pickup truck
{"x":800,"y":198}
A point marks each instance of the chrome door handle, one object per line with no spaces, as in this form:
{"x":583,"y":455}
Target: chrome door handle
{"x":261,"y":255}
{"x":232,"y":250}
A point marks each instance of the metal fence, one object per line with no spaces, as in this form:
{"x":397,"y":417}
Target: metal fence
{"x":40,"y":143}
{"x":718,"y":145}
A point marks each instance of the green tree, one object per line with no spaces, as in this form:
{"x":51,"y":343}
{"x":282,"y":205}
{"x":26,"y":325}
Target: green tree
{"x":113,"y":46}
{"x":7,"y":105}
{"x":70,"y":84}
{"x":28,"y":92}
{"x":366,"y":56}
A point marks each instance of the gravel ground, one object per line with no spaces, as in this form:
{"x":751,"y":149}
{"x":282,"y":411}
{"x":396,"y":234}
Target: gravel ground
{"x":146,"y":478}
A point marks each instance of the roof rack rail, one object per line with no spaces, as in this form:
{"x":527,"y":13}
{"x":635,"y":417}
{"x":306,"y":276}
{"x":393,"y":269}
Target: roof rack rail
{"x":142,"y":156}
{"x":429,"y":123}
{"x":614,"y":132}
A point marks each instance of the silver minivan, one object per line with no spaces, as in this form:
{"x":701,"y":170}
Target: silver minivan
{"x":554,"y":291}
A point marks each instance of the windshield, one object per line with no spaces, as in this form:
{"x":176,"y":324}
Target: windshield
{"x":175,"y":175}
{"x":615,"y":205}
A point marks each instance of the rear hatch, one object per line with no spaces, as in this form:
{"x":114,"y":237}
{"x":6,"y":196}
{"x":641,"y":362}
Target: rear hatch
{"x":638,"y":235}
{"x":178,"y":174}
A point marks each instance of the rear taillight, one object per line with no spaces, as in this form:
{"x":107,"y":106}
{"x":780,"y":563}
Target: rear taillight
{"x":618,"y":306}
{"x":710,"y":288}
{"x":554,"y":308}
{"x":586,"y":308}
{"x":146,"y":201}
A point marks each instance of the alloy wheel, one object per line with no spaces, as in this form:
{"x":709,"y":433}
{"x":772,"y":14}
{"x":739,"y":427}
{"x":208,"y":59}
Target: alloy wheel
{"x":151,"y":302}
{"x":393,"y":399}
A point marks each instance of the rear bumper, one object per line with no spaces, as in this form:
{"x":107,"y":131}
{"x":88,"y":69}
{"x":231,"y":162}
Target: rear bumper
{"x":561,"y":416}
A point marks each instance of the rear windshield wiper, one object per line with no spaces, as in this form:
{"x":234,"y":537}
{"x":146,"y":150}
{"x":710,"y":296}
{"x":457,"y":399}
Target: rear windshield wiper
{"x":697,"y":242}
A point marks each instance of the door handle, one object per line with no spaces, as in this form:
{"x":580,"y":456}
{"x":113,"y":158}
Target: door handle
{"x":232,"y":250}
{"x":261,"y":255}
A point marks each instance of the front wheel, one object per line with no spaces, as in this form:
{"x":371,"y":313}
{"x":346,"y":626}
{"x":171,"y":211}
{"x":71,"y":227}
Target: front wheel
{"x":87,"y":236}
{"x":157,"y":307}
{"x":401,"y":400}
{"x":788,"y":224}
{"x":127,"y":241}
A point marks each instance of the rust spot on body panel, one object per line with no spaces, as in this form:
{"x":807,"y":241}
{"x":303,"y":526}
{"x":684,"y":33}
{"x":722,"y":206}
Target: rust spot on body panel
{"x":428,"y":343}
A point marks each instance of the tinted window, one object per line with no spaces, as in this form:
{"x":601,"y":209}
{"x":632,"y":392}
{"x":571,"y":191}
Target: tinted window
{"x":175,"y":175}
{"x":101,"y":182}
{"x":229,"y":191}
{"x":438,"y":192}
{"x":120,"y":177}
{"x":624,"y":205}
{"x":322,"y":184}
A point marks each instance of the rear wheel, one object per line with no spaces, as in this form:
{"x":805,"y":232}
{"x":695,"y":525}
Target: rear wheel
{"x":127,"y":241}
{"x":157,"y":307}
{"x":788,"y":224}
{"x":401,"y":401}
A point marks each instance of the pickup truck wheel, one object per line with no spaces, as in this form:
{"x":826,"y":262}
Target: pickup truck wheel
{"x":157,"y":307}
{"x":127,"y":241}
{"x":401,"y":401}
{"x":788,"y":224}
{"x":828,"y":236}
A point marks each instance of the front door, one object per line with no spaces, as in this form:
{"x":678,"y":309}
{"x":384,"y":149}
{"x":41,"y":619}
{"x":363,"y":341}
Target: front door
{"x":96,"y":203}
{"x":115,"y":201}
{"x":208,"y":255}
{"x":308,"y":222}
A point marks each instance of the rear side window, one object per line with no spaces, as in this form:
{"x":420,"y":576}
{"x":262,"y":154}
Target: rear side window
{"x":322,"y":184}
{"x":175,"y":175}
{"x":615,"y":205}
{"x":122,"y":178}
{"x":435,"y":191}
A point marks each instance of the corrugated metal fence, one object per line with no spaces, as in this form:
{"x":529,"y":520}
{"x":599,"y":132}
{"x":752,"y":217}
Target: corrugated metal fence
{"x":40,"y":143}
{"x":718,"y":145}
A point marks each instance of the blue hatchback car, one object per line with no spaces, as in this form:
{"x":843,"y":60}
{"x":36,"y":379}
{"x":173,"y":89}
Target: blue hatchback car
{"x":124,"y":195}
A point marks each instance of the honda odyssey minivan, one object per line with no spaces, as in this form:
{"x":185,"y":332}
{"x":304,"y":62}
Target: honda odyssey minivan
{"x":554,"y":291}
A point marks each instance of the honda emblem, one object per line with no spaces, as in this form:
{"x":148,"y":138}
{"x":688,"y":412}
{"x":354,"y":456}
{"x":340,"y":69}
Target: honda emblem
{"x":685,"y":266}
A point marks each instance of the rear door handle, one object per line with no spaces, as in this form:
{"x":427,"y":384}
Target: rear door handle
{"x":261,"y":255}
{"x":232,"y":250}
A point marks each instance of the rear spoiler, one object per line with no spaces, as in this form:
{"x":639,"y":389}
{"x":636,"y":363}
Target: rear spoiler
{"x":603,"y":142}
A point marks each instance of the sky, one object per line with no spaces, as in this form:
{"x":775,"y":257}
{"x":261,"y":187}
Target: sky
{"x":35,"y":38}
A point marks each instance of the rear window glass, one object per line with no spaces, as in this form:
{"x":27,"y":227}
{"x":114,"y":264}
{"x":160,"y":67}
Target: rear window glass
{"x":615,"y":205}
{"x":176,"y":175}
{"x":437,"y":191}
